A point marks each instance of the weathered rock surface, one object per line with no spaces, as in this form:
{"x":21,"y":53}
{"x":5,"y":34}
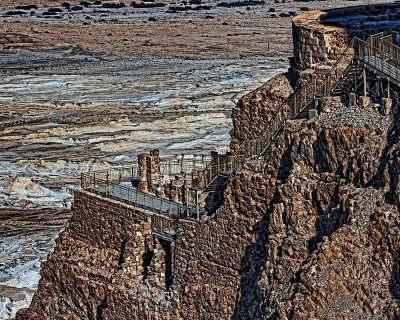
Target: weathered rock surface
{"x":259,"y":110}
{"x":310,"y":231}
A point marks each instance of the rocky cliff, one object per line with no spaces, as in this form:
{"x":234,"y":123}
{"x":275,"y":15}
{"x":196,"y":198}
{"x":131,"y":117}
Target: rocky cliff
{"x":310,"y":231}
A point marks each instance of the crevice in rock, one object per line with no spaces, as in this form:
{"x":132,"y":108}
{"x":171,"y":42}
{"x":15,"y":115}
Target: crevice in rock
{"x":99,"y":311}
{"x":377,"y":181}
{"x":121,"y":258}
{"x":147,"y":258}
{"x":251,"y":298}
{"x":286,"y":164}
{"x":328,"y":222}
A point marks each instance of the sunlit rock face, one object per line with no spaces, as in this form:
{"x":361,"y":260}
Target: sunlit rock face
{"x":82,"y":94}
{"x":321,"y":207}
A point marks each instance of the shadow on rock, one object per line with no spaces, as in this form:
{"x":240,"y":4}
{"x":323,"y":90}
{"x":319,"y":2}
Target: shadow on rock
{"x":249,"y":304}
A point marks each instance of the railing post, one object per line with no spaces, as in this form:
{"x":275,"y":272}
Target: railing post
{"x":388,"y":88}
{"x":365,"y":81}
{"x":197,"y":206}
{"x":106,"y":188}
{"x":182,"y":163}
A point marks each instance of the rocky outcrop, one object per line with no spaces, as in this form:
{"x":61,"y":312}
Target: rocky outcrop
{"x":261,"y":109}
{"x":307,"y":232}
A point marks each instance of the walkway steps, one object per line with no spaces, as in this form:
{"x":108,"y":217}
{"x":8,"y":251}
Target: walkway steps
{"x":218,"y":183}
{"x":385,"y":62}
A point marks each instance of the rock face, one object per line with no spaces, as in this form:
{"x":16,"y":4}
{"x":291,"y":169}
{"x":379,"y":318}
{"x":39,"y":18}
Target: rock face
{"x":309,"y":230}
{"x":260,"y":109}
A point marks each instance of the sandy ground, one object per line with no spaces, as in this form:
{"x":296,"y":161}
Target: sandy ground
{"x":92,"y":88}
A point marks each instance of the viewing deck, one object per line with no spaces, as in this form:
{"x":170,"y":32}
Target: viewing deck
{"x":179,"y":188}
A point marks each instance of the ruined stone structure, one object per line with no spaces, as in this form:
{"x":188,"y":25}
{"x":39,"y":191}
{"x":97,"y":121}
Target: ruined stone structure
{"x":309,"y":230}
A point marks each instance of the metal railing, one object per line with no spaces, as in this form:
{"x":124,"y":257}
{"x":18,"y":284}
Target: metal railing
{"x":306,"y":94}
{"x":227,"y":163}
{"x":116,"y":174}
{"x":126,"y":193}
{"x":376,"y":49}
{"x":381,"y":56}
{"x":168,"y":167}
{"x":172,"y":167}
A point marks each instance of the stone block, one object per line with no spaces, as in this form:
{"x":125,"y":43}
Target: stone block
{"x":364,"y":101}
{"x":352,"y":99}
{"x":312,"y":114}
{"x":387,"y":105}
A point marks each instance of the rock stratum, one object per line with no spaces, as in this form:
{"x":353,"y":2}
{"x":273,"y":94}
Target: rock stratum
{"x":309,"y":230}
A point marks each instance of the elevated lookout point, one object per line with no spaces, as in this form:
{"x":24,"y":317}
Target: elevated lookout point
{"x":328,"y":60}
{"x":230,"y":236}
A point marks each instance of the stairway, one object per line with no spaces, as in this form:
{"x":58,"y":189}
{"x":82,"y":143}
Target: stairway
{"x":347,"y":81}
{"x":218,"y":183}
{"x":305,"y":112}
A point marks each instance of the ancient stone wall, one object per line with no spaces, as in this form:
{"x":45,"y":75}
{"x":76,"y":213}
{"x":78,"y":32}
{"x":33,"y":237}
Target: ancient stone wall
{"x":316,"y":47}
{"x":99,"y":279}
{"x":258,"y":111}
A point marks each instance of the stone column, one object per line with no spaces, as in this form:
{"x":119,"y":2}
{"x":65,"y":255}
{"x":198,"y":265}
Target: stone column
{"x":142,"y":161}
{"x":199,"y":180}
{"x":364,"y":101}
{"x":185,"y":192}
{"x":173,"y":191}
{"x":153,"y":166}
{"x":352,"y":99}
{"x":161,"y":191}
{"x":387,"y":105}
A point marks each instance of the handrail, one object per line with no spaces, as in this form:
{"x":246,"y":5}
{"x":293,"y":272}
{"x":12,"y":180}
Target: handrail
{"x":375,"y":47}
{"x":168,"y":166}
{"x":305,"y":97}
{"x":134,"y":197}
{"x":384,"y":53}
{"x":228,"y":162}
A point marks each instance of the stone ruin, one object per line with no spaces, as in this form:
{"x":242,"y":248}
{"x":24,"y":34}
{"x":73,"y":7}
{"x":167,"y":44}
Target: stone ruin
{"x":308,"y":231}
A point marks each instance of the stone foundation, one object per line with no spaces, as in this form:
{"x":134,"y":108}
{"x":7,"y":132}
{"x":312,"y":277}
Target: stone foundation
{"x":308,"y":231}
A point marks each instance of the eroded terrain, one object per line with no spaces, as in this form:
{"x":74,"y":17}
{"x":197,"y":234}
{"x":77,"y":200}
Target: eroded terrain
{"x":90,"y":88}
